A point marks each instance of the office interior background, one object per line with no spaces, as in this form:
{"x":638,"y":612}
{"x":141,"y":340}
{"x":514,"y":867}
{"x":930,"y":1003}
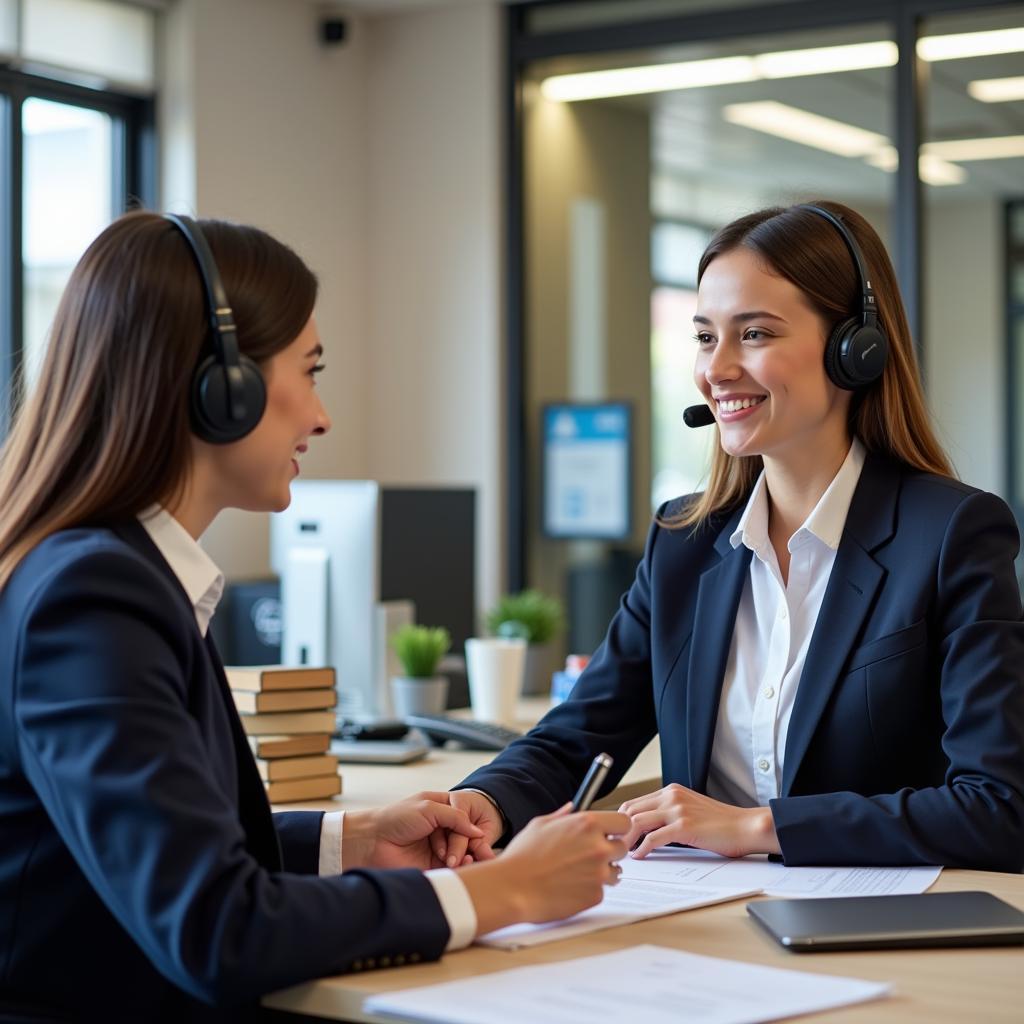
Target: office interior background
{"x":487,"y":244}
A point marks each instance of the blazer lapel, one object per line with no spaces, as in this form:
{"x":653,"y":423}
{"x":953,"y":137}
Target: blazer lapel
{"x":718,"y":597}
{"x":849,"y":596}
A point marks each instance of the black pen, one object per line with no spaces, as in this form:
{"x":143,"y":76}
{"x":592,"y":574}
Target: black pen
{"x":596,"y":774}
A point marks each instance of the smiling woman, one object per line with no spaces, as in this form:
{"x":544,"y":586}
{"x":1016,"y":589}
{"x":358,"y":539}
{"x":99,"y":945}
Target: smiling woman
{"x":774,"y":286}
{"x":834,"y":588}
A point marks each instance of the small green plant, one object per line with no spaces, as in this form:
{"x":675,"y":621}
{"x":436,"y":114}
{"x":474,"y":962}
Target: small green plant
{"x":420,"y":648}
{"x":529,"y":614}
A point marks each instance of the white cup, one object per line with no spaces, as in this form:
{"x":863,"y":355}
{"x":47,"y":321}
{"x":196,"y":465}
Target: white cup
{"x":495,"y":667}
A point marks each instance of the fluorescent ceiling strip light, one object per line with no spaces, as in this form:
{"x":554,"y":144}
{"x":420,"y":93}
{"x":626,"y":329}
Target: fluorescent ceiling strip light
{"x":592,"y":85}
{"x":970,"y":44}
{"x":997,"y":90}
{"x":847,"y":140}
{"x":1002,"y":147}
{"x":801,"y":126}
{"x":824,"y":60}
{"x":692,"y":74}
{"x":932,"y":170}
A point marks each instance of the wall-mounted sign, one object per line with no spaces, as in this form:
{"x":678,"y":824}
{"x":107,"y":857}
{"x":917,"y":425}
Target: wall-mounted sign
{"x":587,"y":470}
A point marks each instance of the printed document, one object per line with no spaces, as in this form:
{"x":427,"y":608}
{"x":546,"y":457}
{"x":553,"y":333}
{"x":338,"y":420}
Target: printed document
{"x":649,"y":983}
{"x":696,"y":868}
{"x":673,"y":879}
{"x":633,"y":899}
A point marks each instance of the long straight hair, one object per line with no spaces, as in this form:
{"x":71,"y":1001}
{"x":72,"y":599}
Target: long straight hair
{"x":890,"y":418}
{"x":105,"y":434}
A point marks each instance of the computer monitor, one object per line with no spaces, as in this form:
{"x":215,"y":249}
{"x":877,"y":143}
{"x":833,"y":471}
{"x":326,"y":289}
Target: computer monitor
{"x":427,"y":555}
{"x":346,"y":548}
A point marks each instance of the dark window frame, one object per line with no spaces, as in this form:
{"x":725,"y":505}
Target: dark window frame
{"x":134,"y":162}
{"x":1013,"y":306}
{"x":904,"y":18}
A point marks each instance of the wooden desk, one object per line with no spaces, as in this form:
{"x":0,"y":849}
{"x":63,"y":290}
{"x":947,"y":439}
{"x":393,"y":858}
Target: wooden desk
{"x":955,"y":985}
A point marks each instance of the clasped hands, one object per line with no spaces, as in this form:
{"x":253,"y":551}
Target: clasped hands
{"x":672,"y":814}
{"x":438,"y":829}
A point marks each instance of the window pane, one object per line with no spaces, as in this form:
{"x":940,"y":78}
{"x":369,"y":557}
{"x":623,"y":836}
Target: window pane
{"x":972,"y":161}
{"x":8,"y":26}
{"x":114,"y":40}
{"x":68,"y":200}
{"x":623,"y":189}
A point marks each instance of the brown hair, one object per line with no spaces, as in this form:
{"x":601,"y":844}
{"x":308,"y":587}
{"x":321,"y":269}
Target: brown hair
{"x":890,"y":418}
{"x":106,"y":433}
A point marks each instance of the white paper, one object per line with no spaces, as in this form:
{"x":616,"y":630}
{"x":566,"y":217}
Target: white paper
{"x":648,"y":983}
{"x":631,"y":900}
{"x":692,"y":868}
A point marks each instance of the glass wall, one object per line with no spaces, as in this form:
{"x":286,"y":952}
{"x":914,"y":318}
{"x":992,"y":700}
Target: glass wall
{"x":974,"y":135}
{"x":627,"y":173}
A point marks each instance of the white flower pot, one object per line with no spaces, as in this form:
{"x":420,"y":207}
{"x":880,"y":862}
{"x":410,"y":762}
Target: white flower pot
{"x":419,"y":696}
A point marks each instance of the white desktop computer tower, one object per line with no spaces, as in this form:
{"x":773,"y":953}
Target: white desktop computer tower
{"x":324,"y":548}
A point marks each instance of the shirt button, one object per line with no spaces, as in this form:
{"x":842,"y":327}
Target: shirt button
{"x":782,"y":614}
{"x":769,"y":692}
{"x":764,"y":764}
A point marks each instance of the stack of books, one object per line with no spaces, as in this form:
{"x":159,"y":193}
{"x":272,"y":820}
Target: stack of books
{"x":288,"y":715}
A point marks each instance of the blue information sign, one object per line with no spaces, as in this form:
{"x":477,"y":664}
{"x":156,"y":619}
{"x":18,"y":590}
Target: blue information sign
{"x":587,"y":470}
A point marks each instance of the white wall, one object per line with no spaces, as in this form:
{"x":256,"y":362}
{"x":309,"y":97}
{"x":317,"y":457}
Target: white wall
{"x":262,"y":124}
{"x":965,"y":359}
{"x":434,"y":304}
{"x":379,"y":161}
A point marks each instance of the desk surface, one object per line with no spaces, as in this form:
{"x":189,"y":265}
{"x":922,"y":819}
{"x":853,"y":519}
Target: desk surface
{"x":952,"y":985}
{"x":955,"y":985}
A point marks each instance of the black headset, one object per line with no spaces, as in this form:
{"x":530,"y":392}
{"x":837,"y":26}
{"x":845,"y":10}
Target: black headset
{"x":227,"y":394}
{"x":857,"y":349}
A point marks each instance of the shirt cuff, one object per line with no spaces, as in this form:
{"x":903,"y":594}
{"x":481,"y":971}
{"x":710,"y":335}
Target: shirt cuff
{"x":330,"y":843}
{"x":456,"y":905}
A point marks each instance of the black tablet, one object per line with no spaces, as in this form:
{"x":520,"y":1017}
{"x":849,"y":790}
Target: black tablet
{"x":890,"y":922}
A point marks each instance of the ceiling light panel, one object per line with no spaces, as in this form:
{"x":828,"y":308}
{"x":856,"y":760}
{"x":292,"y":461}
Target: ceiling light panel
{"x":971,"y":44}
{"x":801,"y":126}
{"x":824,"y":60}
{"x":589,"y":85}
{"x":1002,"y":147}
{"x":997,"y":90}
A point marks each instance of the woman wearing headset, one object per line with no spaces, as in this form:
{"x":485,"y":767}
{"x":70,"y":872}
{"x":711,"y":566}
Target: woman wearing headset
{"x":828,"y":639}
{"x":142,"y":876}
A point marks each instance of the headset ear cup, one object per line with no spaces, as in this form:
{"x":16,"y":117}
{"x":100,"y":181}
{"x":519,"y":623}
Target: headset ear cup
{"x":864,"y":355}
{"x":209,"y":408}
{"x":834,"y":347}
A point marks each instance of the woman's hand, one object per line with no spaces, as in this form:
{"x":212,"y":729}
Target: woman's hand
{"x":409,"y":834}
{"x":483,"y":813}
{"x":676,"y":814}
{"x":557,"y":866}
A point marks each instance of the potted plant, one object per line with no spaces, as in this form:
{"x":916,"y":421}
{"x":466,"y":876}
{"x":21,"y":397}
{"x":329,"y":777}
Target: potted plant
{"x":536,"y":618}
{"x":421,"y":690}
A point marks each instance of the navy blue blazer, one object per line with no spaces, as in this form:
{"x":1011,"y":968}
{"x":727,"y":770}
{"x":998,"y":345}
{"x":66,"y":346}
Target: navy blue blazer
{"x":142,"y":875}
{"x":906,"y":741}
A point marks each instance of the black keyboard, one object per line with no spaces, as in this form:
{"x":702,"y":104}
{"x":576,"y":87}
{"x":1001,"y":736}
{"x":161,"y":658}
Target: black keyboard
{"x":472,"y":735}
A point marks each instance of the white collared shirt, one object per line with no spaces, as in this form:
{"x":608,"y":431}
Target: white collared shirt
{"x":203,"y":582}
{"x":774,"y":625}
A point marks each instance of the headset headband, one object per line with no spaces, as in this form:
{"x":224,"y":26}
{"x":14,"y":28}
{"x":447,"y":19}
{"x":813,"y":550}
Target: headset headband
{"x":221,"y":318}
{"x":869,"y":308}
